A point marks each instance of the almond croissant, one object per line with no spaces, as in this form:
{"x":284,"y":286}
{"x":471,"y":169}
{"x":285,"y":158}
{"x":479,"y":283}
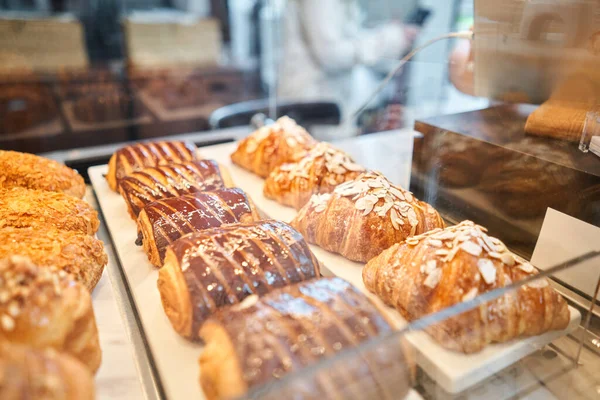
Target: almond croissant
{"x":363,"y":217}
{"x":323,"y":168}
{"x":273,"y":145}
{"x":441,"y":268}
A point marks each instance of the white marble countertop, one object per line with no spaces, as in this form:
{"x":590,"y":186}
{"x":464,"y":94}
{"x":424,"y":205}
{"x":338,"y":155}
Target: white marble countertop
{"x":118,"y":378}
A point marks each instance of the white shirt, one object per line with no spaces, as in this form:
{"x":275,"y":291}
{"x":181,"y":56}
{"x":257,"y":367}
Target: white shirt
{"x":326,"y":52}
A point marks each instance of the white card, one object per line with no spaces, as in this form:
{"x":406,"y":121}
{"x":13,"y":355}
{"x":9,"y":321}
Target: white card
{"x":562,"y":238}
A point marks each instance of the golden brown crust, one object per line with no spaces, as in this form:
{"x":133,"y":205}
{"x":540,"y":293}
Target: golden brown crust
{"x":20,"y":207}
{"x":30,"y":373}
{"x":169,"y":180}
{"x":140,"y":155}
{"x":175,"y":296}
{"x":271,"y":146}
{"x":363,"y":217}
{"x":162,"y":222}
{"x":295,"y":327}
{"x":212,"y":269}
{"x":441,"y":268}
{"x":34,"y":172}
{"x":78,"y":254}
{"x":323,"y":168}
{"x":42,"y":307}
{"x":217,"y":357}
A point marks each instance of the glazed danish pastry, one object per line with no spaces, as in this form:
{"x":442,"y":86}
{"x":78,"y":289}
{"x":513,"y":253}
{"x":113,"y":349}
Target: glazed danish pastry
{"x":140,"y":155}
{"x":164,"y":221}
{"x":209,"y":270}
{"x":42,"y":307}
{"x":20,"y":207}
{"x":171,"y":180}
{"x":265,"y":339}
{"x":30,"y":373}
{"x":441,"y":268}
{"x":272,"y":145}
{"x":323,"y":168}
{"x":34,"y":172}
{"x":76,"y":253}
{"x":363,"y":217}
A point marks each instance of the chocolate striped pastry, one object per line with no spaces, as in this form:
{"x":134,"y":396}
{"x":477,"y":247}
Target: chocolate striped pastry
{"x":162,"y":222}
{"x":206,"y":271}
{"x":140,"y":155}
{"x":267,"y":338}
{"x":171,"y":180}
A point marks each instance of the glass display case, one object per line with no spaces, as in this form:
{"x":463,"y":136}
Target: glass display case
{"x":306,"y":199}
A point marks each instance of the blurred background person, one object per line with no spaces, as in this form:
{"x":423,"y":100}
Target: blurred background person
{"x":329,"y":53}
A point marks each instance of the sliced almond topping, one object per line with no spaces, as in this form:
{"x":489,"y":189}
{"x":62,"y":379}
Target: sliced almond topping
{"x":470,"y":295}
{"x":435,"y":242}
{"x":452,"y":254}
{"x":487,"y":270}
{"x":429,"y":266}
{"x":350,"y":166}
{"x":471,"y":248}
{"x":441,"y":252}
{"x":395,"y":217}
{"x":396,"y":192}
{"x":489,"y":243}
{"x":433,"y":278}
{"x":8,"y":324}
{"x":507,"y":258}
{"x":375,"y":183}
{"x":13,"y":309}
{"x":526,"y":267}
{"x":538,"y":283}
{"x":338,"y":170}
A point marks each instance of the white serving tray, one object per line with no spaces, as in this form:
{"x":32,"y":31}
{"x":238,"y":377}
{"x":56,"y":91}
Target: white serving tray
{"x":176,"y":359}
{"x":453,"y":371}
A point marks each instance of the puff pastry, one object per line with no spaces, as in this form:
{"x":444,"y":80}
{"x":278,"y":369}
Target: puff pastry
{"x":323,"y":168}
{"x":43,"y":307}
{"x":170,"y":180}
{"x":363,"y":217}
{"x":34,"y":172}
{"x":267,"y":338}
{"x":20,"y":207}
{"x":76,"y":253}
{"x":441,"y":268}
{"x":140,"y":155}
{"x":272,"y":145}
{"x":30,"y":373}
{"x":209,"y":270}
{"x":164,"y":221}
